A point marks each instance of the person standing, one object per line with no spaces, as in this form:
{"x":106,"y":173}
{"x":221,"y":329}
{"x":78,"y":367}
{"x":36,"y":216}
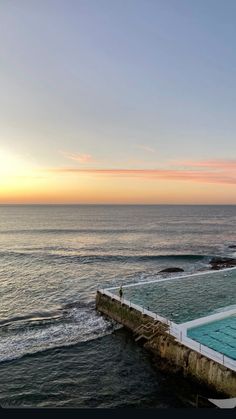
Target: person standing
{"x":121,"y":292}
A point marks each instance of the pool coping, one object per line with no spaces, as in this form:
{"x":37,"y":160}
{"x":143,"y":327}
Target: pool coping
{"x":207,"y":319}
{"x":172,"y":278}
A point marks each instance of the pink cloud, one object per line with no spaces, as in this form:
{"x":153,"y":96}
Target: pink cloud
{"x":164,"y":174}
{"x":216,"y":164}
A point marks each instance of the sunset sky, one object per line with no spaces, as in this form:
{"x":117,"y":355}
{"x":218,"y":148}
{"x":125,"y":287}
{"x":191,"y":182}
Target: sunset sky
{"x":118,"y":101}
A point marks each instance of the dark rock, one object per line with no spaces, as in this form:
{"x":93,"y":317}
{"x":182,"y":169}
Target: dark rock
{"x":221,"y":263}
{"x":170,"y":270}
{"x":232,"y":246}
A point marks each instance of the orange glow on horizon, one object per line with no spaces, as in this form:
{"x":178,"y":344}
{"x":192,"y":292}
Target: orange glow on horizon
{"x":86,"y":190}
{"x":25,"y":183}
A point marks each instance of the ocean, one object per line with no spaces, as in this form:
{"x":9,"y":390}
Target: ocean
{"x":55,"y":349}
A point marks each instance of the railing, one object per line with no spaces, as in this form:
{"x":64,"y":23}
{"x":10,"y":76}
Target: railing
{"x":210,"y":353}
{"x":172,"y":278}
{"x":178,"y":332}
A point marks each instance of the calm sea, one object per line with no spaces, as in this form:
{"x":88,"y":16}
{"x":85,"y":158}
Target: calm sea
{"x":55,"y":350}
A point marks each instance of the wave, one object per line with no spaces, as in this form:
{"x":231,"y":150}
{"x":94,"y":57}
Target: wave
{"x":39,"y":316}
{"x":94,"y":258}
{"x":27,"y":334}
{"x":90,"y":259}
{"x":74,"y":231}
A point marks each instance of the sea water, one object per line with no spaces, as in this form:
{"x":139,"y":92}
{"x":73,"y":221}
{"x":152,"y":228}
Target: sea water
{"x":55,"y":349}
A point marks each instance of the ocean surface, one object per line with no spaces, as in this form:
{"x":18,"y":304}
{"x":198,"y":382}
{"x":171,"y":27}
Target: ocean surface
{"x":55,"y":349}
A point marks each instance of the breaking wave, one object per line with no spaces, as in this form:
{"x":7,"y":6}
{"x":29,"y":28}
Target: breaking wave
{"x":40,"y":331}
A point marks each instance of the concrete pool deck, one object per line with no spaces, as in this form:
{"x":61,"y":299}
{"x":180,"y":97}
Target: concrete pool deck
{"x":157,"y":331}
{"x":208,"y":319}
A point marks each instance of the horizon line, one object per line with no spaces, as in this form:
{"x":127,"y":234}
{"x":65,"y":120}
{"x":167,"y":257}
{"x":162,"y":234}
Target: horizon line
{"x":109,"y":204}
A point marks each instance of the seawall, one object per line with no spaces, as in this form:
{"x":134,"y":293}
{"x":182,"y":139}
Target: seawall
{"x":171,"y":354}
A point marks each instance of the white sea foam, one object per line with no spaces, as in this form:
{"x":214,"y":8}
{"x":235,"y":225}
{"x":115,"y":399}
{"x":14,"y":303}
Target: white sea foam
{"x":80,"y":325}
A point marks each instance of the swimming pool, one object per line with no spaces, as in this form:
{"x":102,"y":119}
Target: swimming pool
{"x":219,"y":335}
{"x":185,"y":298}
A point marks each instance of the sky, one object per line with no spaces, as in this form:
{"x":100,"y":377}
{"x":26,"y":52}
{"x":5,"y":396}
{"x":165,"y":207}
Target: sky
{"x":118,"y":101}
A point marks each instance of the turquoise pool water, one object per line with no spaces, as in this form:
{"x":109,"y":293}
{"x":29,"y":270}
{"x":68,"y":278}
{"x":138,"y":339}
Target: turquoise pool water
{"x":219,"y":335}
{"x":185,"y":299}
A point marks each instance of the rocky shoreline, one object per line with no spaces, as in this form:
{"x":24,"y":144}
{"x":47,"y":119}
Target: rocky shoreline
{"x":222,"y":263}
{"x":216,"y":263}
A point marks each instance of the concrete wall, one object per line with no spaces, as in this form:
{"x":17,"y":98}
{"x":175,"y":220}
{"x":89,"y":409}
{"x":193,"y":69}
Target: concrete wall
{"x":175,"y":356}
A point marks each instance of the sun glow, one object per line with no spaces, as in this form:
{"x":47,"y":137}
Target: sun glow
{"x":12,"y":165}
{"x":16,"y":176}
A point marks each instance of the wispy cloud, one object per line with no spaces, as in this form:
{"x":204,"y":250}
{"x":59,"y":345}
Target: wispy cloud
{"x":218,"y":164}
{"x":146,"y":148}
{"x":193,"y":175}
{"x":81,"y":158}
